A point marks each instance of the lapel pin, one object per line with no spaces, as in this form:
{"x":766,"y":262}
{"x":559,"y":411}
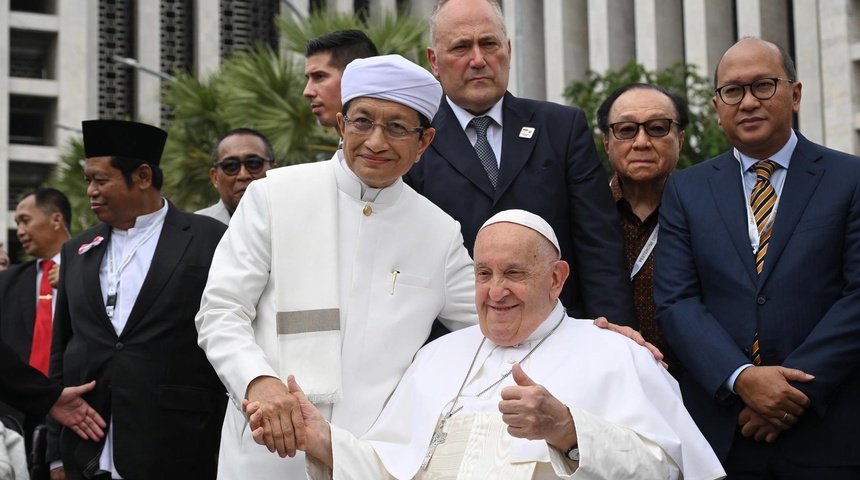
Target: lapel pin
{"x":87,"y":246}
{"x":527,"y":132}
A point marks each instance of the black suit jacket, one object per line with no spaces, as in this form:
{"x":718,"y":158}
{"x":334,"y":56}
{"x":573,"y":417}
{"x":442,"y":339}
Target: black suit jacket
{"x":555,"y":173}
{"x":165,"y":402}
{"x":805,"y":303}
{"x":23,"y":387}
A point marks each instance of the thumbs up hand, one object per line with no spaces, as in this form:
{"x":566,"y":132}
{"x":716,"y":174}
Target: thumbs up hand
{"x":531,"y":412}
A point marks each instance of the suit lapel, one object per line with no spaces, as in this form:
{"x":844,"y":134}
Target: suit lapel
{"x":456,"y":149}
{"x":91,"y":262}
{"x":172,"y":243}
{"x":516,"y":148}
{"x":801,"y":179}
{"x":728,"y":193}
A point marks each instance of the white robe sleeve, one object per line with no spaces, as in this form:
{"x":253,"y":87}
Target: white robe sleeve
{"x":459,"y":309}
{"x":228,"y":308}
{"x":607,"y":450}
{"x":354,"y":459}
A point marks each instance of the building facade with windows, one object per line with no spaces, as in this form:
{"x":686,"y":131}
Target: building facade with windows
{"x":65,"y":61}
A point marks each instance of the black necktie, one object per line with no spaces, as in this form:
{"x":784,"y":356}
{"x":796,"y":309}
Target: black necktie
{"x":483,"y":148}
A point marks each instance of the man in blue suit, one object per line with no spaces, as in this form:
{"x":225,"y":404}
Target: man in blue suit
{"x":495,"y":152}
{"x":757,"y":282}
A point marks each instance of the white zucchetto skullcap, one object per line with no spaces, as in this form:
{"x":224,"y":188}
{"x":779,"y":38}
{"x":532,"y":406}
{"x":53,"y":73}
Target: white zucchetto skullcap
{"x":526,"y":219}
{"x":394,"y":78}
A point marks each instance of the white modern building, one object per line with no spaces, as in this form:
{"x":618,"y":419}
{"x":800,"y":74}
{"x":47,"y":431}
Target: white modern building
{"x":61,"y":60}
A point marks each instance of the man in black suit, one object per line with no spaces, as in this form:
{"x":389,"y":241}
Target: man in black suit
{"x":519,"y":153}
{"x":27,"y":291}
{"x":129,"y":289}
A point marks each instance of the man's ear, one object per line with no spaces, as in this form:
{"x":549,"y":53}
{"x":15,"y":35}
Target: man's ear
{"x":143,"y":175}
{"x":214,"y":177}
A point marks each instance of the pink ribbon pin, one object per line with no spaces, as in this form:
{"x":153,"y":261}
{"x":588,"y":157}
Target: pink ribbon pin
{"x":87,"y":246}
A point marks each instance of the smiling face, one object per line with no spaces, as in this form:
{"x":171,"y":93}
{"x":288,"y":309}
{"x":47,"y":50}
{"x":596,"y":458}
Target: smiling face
{"x":517,"y":281}
{"x":758,"y":128}
{"x":323,"y":88}
{"x":376,"y":159}
{"x":112,"y":200}
{"x":471,"y":54}
{"x":643,"y":158}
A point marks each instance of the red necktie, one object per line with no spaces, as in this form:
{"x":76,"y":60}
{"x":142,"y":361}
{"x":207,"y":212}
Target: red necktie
{"x":40,"y":353}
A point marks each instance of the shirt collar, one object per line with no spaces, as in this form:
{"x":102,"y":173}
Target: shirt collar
{"x":782,"y":157}
{"x":145,"y":221}
{"x":55,"y":259}
{"x":464,"y":117}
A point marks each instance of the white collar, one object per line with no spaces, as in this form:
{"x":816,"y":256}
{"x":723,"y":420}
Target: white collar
{"x":782,"y":157}
{"x":464,"y":117}
{"x":348,"y":182}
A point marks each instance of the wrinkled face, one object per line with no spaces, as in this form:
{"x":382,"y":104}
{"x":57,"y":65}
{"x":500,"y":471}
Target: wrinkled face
{"x":758,"y":128}
{"x":238,"y":148}
{"x":517,"y":281}
{"x":643,"y":158}
{"x":323,"y":88}
{"x":374,"y":157}
{"x":111,"y":199}
{"x":39,"y":232}
{"x":471,"y":54}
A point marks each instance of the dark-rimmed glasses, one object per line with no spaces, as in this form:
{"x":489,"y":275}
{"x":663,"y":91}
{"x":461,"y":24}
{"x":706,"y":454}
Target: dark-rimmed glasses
{"x":656,"y":128}
{"x":253,"y":165}
{"x":762,"y":89}
{"x":394,"y":130}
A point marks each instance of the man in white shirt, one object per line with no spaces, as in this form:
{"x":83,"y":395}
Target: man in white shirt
{"x":603,"y":407}
{"x":334,"y":272}
{"x":128,"y":292}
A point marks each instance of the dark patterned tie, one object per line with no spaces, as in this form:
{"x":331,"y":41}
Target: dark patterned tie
{"x":762,"y":201}
{"x":483,"y":148}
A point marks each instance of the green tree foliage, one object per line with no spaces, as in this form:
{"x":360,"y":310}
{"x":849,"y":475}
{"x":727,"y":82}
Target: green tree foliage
{"x":68,"y":177}
{"x":703,"y":138}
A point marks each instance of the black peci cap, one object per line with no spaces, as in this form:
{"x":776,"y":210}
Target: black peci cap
{"x":118,"y":138}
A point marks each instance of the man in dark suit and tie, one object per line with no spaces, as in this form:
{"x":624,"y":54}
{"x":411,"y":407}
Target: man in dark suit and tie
{"x":757,"y":282}
{"x":129,"y":289}
{"x":27,"y":294}
{"x":495,"y":152}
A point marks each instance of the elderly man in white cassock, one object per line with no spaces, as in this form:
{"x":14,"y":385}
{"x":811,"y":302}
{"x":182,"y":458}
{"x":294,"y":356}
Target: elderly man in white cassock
{"x":530,"y":393}
{"x":334,"y":272}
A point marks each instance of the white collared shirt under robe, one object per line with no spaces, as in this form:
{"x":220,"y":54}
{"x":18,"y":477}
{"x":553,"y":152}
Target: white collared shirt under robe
{"x":380,"y":230}
{"x":629,"y":416}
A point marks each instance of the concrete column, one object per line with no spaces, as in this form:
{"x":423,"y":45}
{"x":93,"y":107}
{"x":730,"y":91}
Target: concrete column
{"x":766,"y":19}
{"x":379,"y":8}
{"x":807,"y":58}
{"x":207,"y":44}
{"x":73,"y":76}
{"x":708,"y":33}
{"x":659,"y":33}
{"x":838,"y":84}
{"x":341,"y":5}
{"x":4,"y":124}
{"x":422,"y":8}
{"x":526,"y":31}
{"x":148,"y":91}
{"x":566,"y":52}
{"x":611,"y":40}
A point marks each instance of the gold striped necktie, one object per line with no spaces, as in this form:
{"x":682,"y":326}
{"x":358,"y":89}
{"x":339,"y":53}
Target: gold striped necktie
{"x":762,"y":201}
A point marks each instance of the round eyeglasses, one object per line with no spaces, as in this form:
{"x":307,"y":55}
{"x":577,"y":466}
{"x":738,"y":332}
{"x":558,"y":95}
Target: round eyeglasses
{"x":656,"y":128}
{"x":394,"y":130}
{"x":762,"y":89}
{"x":253,"y":165}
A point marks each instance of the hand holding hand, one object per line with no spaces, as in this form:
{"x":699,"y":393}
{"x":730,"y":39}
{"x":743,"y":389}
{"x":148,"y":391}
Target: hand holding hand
{"x":317,"y":429}
{"x":758,"y":427}
{"x":766,"y":391}
{"x":281,"y":419}
{"x":531,"y":412}
{"x":634,"y":335}
{"x":74,"y":412}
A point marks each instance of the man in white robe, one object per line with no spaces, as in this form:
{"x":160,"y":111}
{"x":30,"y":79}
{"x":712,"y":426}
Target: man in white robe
{"x":334,"y":272}
{"x":593,"y":404}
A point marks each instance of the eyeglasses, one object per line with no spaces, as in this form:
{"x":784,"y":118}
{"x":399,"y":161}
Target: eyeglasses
{"x":253,"y":165}
{"x":762,"y":89}
{"x":656,"y":128}
{"x":394,"y":130}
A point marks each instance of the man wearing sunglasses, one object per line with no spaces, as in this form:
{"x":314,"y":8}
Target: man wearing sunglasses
{"x":239,"y":157}
{"x":757,"y":282}
{"x":643,"y":132}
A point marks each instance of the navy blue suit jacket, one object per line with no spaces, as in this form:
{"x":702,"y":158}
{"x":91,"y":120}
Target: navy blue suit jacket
{"x":554,"y":173}
{"x":805,"y":302}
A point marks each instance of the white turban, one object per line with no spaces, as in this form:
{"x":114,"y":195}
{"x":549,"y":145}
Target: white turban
{"x":526,"y":219}
{"x":392,"y":77}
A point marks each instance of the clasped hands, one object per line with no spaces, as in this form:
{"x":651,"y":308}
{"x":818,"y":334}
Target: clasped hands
{"x":284,"y":420}
{"x":772,"y":405}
